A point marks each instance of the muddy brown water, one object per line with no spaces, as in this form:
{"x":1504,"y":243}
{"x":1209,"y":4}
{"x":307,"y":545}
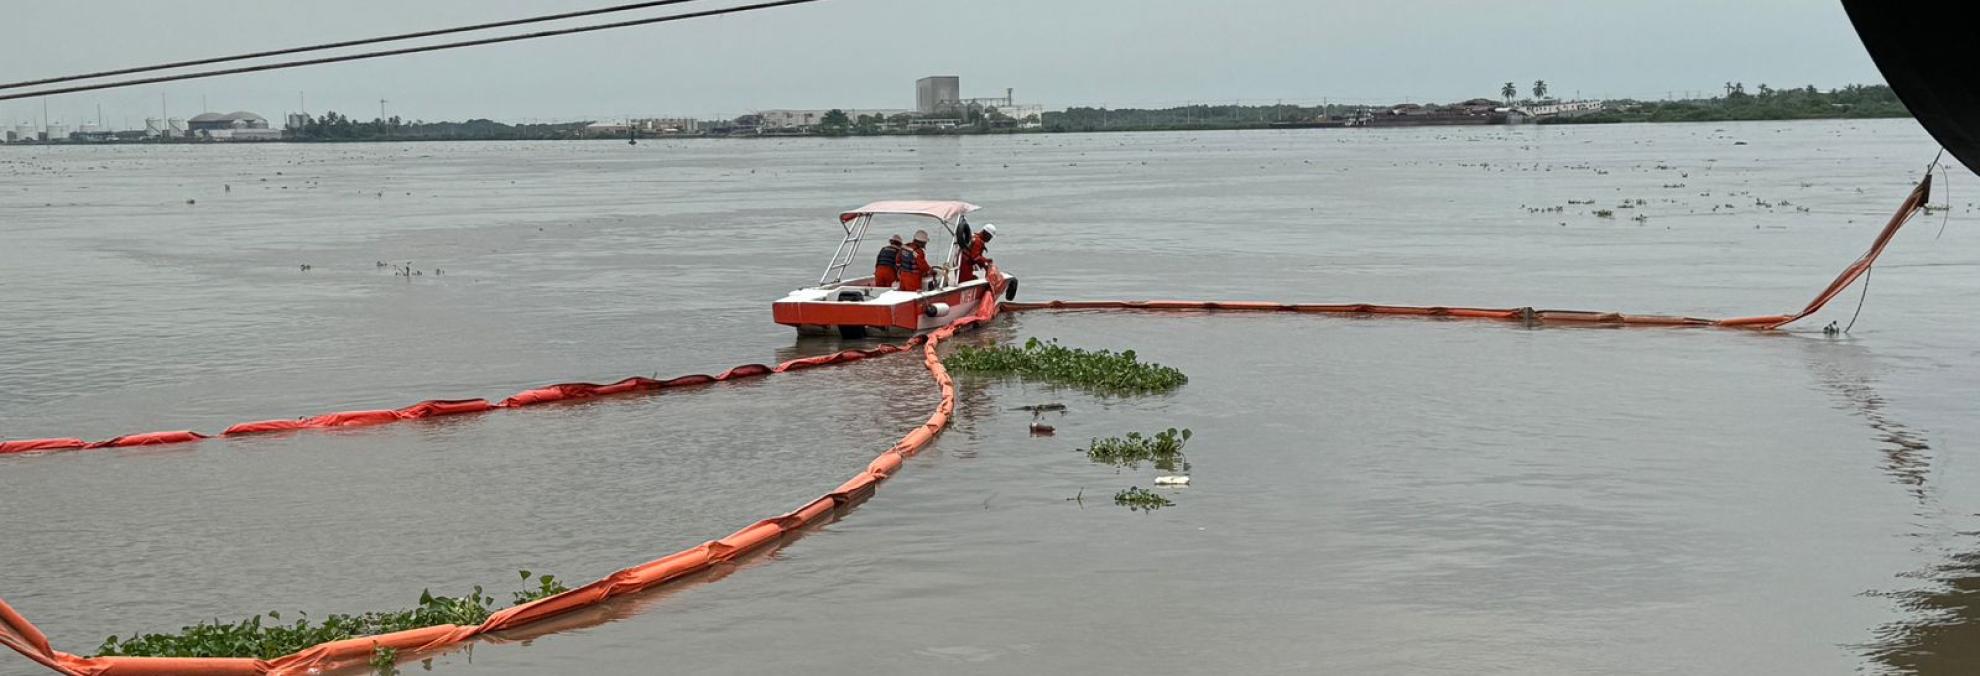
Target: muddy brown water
{"x":1370,"y":495}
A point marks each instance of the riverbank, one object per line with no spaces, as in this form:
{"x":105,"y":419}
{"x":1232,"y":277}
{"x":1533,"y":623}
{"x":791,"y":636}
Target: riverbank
{"x":1602,"y":118}
{"x":1767,"y":104}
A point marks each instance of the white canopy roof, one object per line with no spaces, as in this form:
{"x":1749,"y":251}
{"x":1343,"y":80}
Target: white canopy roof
{"x":945,"y":211}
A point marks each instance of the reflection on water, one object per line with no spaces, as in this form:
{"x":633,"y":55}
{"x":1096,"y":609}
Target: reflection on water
{"x":1848,"y":369}
{"x":1940,"y":632}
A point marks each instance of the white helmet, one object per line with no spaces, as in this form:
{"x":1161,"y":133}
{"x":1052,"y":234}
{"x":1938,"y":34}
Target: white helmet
{"x":990,"y":229}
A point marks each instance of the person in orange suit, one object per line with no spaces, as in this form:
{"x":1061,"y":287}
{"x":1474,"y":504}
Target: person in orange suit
{"x":914,"y":268}
{"x":972,"y":256}
{"x":884,"y":266}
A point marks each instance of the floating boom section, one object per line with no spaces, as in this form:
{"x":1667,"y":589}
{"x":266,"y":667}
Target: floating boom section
{"x":23,"y":637}
{"x":1912,"y":204}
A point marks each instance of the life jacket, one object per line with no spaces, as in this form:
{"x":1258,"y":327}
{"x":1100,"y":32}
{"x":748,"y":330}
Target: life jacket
{"x":904,"y":260}
{"x":973,"y":252}
{"x":883,"y":267}
{"x":972,"y":258}
{"x":911,"y":270}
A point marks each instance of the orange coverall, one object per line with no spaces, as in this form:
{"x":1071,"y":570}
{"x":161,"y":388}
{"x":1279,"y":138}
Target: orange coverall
{"x":914,"y":268}
{"x":972,"y":258}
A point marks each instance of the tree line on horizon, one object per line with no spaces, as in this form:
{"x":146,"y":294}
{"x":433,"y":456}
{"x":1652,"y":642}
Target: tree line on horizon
{"x":1737,"y":103}
{"x":1765,"y":103}
{"x":334,"y":126}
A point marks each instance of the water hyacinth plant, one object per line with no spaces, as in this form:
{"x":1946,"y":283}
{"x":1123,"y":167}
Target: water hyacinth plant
{"x":254,"y":638}
{"x":1164,"y":450}
{"x":1101,"y":371}
{"x":1139,"y":499}
{"x":384,"y":659}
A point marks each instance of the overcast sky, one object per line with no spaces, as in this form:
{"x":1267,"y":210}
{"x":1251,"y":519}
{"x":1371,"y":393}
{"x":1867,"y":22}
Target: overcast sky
{"x":867,"y":53}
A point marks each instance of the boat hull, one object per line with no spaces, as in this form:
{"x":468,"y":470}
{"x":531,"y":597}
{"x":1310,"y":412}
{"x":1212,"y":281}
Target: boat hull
{"x":854,"y":310}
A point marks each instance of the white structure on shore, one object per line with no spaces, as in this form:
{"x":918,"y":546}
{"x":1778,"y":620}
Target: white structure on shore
{"x":937,"y":94}
{"x":806,"y":118}
{"x":667,"y":125}
{"x":1562,"y":109}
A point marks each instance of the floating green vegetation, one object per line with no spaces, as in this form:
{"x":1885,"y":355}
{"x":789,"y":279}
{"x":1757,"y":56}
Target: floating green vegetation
{"x":254,"y":638}
{"x":1099,"y":370}
{"x":546,"y":587}
{"x":385,"y":659}
{"x":1164,"y":450}
{"x":1140,"y":499}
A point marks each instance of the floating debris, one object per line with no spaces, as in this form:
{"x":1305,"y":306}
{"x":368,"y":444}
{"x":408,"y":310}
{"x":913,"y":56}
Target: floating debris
{"x":1100,"y":370}
{"x":1139,"y":499}
{"x":252,"y":638}
{"x":1164,"y":450}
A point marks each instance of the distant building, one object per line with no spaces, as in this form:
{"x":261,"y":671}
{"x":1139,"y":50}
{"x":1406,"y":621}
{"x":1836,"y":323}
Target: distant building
{"x":155,"y":127}
{"x":804,"y":119}
{"x":606,"y":129}
{"x":937,"y":94}
{"x":668,"y":125}
{"x":234,"y":120}
{"x":1027,"y":116}
{"x":242,"y":134}
{"x":296,"y":121}
{"x":1564,"y":108}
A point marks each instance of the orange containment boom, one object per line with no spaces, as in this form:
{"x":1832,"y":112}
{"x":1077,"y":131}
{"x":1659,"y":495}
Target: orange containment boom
{"x":17,"y":633}
{"x":1912,"y":204}
{"x":437,"y":407}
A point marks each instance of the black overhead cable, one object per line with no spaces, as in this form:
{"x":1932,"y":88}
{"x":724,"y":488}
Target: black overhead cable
{"x":346,"y":43}
{"x":405,"y":50}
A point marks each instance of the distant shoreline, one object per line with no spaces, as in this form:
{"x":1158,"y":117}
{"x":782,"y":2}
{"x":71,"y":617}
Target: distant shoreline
{"x":1589,"y":120}
{"x":1737,"y":105}
{"x":1667,"y":113}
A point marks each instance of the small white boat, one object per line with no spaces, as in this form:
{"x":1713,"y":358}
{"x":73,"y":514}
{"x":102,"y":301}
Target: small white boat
{"x":856,"y":308}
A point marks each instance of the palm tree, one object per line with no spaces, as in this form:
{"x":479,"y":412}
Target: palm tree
{"x":1509,"y":91}
{"x":1540,"y":89}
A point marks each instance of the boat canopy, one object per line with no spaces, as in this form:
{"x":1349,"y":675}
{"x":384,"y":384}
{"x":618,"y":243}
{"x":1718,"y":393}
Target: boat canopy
{"x":941,"y":210}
